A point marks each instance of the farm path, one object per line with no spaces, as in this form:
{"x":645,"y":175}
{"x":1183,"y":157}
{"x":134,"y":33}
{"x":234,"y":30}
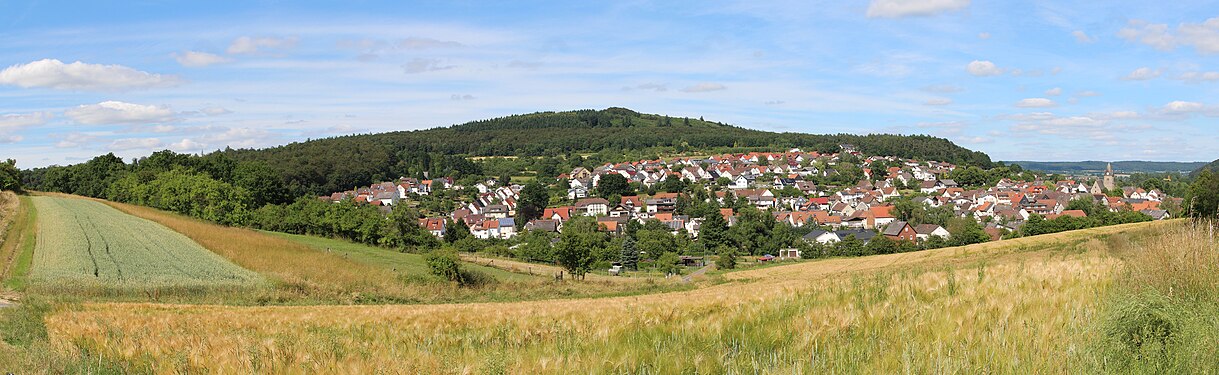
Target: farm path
{"x":698,"y":272}
{"x":5,"y":303}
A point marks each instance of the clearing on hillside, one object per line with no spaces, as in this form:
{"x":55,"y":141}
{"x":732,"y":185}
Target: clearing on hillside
{"x":82,"y":243}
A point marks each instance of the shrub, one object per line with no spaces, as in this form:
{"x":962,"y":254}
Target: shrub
{"x":444,"y":263}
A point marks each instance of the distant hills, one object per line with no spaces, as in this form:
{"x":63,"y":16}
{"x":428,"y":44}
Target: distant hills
{"x":332,"y":164}
{"x":1091,"y":166}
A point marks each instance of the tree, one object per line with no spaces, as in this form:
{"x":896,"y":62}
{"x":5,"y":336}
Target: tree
{"x":534,"y":198}
{"x":849,"y":246}
{"x":579,"y":240}
{"x":630,"y":254}
{"x":882,"y":245}
{"x":10,"y":176}
{"x":403,"y":232}
{"x":455,"y":230}
{"x":613,"y":183}
{"x":444,"y":262}
{"x":1204,"y":195}
{"x":713,"y":232}
{"x":668,"y":263}
{"x":965,"y":231}
{"x":536,"y":247}
{"x":727,"y":257}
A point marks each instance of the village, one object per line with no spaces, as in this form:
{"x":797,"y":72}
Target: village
{"x":778,"y":183}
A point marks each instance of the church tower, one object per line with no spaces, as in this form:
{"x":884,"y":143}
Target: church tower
{"x":1109,"y":184}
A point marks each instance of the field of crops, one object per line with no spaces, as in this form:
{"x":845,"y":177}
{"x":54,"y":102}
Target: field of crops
{"x":82,"y":243}
{"x":1031,"y":305}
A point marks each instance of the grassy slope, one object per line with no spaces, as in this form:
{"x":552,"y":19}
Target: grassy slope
{"x":387,"y":259}
{"x":17,"y":250}
{"x":1022,"y":306}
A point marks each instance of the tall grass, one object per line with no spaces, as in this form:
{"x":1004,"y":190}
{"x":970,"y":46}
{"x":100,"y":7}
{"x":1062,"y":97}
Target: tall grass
{"x":1163,"y":314}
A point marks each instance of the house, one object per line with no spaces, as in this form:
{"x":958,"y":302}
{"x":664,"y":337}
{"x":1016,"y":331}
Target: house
{"x":496,"y":211}
{"x":860,"y":234}
{"x":434,"y":225}
{"x":822,"y":236}
{"x":924,"y":232}
{"x":558,"y":214}
{"x":900,"y":230}
{"x":577,"y":192}
{"x":620,"y":211}
{"x":593,"y":206}
{"x":613,"y":225}
{"x":1157,"y":214}
{"x":543,"y":225}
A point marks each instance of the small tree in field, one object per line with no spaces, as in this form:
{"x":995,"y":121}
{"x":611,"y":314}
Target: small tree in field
{"x":727,"y":257}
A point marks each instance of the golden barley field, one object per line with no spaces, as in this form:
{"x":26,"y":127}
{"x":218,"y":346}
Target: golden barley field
{"x":1046,"y":304}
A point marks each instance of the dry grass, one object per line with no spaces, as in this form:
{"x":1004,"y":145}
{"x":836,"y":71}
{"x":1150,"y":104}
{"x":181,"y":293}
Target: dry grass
{"x":1022,"y":306}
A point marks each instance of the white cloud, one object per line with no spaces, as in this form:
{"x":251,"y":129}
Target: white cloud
{"x":1142,"y":74}
{"x":907,"y":8}
{"x":1181,"y":107}
{"x":115,"y":112}
{"x":125,"y":144}
{"x":944,"y":89}
{"x":1082,"y":37}
{"x":1035,"y":103}
{"x":1054,"y":91}
{"x":1203,"y":37}
{"x":938,"y":101}
{"x":982,"y":68}
{"x":51,"y":73}
{"x":657,"y":87}
{"x":186,"y":144}
{"x":704,"y":87}
{"x":249,"y":45}
{"x":16,"y":121}
{"x":74,"y":140}
{"x":215,"y":111}
{"x":195,"y":59}
{"x":421,"y":65}
{"x":425,"y":43}
{"x":5,"y":139}
{"x":1195,"y":77}
{"x":461,"y":97}
{"x":983,"y":35}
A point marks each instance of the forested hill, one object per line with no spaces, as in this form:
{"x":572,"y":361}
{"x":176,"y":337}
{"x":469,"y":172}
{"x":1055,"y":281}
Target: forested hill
{"x":1213,"y":167}
{"x":1092,"y":166}
{"x":324,"y":165}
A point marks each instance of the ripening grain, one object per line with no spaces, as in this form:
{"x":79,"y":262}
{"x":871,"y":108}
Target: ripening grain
{"x":85,"y":243}
{"x":1023,"y":306}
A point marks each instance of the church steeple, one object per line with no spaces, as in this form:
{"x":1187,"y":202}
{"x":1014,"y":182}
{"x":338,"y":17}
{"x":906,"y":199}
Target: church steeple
{"x":1109,"y":184}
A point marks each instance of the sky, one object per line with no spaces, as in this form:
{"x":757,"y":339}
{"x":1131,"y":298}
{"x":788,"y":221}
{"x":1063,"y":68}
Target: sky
{"x":1019,"y":80}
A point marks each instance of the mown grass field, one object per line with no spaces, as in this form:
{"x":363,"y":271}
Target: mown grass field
{"x":1133,"y":298}
{"x":86,"y":244}
{"x":17,"y":246}
{"x":388,"y":259}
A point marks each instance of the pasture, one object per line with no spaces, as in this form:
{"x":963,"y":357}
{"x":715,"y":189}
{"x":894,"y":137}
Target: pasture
{"x":86,"y":244}
{"x":406,"y":263}
{"x":1049,"y":304}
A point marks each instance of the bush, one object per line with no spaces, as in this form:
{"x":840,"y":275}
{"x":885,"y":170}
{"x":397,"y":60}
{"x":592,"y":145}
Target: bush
{"x":444,"y":263}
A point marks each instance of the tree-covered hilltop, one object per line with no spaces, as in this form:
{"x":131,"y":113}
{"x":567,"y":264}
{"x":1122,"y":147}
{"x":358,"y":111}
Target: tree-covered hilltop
{"x":1212,"y":166}
{"x":332,"y":164}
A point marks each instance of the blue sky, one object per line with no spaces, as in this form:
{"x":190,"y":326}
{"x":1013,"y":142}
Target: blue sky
{"x":1027,"y":80}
